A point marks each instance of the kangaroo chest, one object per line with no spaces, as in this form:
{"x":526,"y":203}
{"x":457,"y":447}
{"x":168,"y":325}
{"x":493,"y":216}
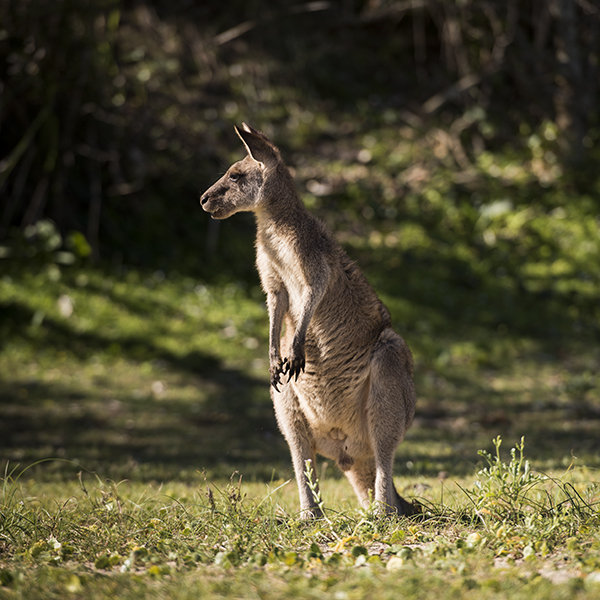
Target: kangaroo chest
{"x":278,"y":262}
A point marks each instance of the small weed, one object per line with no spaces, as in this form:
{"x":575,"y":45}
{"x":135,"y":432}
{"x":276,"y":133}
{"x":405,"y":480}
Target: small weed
{"x":501,"y":490}
{"x":524,"y":511}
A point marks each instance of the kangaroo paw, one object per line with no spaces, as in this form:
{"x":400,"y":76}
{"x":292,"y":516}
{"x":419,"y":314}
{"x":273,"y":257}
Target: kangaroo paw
{"x":280,"y":369}
{"x":296,"y":366}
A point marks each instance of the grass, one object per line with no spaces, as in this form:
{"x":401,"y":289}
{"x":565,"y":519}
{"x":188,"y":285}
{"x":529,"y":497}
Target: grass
{"x":514,"y":531}
{"x":119,"y":389}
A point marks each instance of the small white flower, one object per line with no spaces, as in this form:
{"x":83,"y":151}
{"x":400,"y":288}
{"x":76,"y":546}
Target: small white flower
{"x":54,"y":543}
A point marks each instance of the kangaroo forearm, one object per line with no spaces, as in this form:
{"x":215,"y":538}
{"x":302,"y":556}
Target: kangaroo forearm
{"x":313,"y":297}
{"x":278,"y":305}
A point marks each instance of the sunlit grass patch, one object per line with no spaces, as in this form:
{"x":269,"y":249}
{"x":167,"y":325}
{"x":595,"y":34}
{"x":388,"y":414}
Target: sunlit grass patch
{"x":508,"y":528}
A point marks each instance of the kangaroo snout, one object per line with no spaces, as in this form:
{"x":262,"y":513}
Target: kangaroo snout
{"x":204,"y":200}
{"x":209,"y":202}
{"x":216,"y":203}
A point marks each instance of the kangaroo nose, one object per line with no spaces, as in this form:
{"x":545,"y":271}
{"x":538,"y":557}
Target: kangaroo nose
{"x":204,"y":199}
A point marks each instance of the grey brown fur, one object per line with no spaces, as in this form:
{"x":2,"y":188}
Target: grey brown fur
{"x":343,"y":385}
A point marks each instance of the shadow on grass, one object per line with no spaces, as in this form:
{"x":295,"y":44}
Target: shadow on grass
{"x":120,"y":426}
{"x":460,"y":412}
{"x":58,"y":335}
{"x":463,"y":296}
{"x":138,"y":436}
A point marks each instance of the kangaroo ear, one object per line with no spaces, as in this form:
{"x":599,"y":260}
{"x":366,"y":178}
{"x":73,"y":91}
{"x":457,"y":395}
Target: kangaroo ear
{"x":257,"y":145}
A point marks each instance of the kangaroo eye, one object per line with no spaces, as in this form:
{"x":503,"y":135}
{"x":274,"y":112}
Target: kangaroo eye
{"x":235,"y":176}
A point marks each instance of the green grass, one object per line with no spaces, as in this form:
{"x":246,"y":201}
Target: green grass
{"x":167,"y":477}
{"x":513,"y":531}
{"x":144,"y":374}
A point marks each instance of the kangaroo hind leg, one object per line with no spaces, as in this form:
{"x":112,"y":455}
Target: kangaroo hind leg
{"x":362,"y":478}
{"x":390,"y":409}
{"x":298,"y":435}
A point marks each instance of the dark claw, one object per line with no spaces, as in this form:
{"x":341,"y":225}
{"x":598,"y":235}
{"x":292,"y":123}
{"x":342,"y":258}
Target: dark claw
{"x":281,"y":369}
{"x":296,"y":367}
{"x":275,"y":381}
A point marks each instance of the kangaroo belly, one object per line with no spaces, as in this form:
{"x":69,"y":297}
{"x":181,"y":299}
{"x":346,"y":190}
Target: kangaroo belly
{"x":334,"y":406}
{"x":334,"y":389}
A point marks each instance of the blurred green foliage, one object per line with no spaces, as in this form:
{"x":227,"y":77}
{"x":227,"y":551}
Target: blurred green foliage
{"x":115,"y":115}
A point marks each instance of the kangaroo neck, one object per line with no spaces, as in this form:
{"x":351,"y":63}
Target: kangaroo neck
{"x":281,"y":211}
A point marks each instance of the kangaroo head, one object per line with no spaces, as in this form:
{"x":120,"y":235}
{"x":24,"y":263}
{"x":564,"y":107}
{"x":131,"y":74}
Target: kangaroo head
{"x":240,"y":189}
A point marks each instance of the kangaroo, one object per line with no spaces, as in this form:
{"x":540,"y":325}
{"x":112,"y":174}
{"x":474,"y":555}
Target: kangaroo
{"x":343,"y":385}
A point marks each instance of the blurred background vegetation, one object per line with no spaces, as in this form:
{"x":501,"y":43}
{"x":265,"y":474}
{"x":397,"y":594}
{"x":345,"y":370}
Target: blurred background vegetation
{"x":452,"y":146}
{"x":115,"y":115}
